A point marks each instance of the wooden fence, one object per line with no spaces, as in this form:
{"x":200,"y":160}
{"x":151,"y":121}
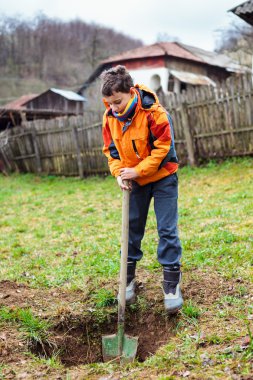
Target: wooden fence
{"x":214,"y":122}
{"x":209,"y":122}
{"x":67,"y":146}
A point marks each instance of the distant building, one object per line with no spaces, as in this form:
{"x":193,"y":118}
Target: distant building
{"x":51,"y":103}
{"x":244,"y":11}
{"x":57,"y":100}
{"x":171,"y":66}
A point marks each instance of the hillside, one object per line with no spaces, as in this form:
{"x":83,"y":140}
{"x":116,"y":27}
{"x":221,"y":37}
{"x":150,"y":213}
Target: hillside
{"x":44,"y":52}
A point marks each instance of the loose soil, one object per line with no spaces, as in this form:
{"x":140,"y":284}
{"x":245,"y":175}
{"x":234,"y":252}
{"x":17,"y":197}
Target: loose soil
{"x":77,"y":327}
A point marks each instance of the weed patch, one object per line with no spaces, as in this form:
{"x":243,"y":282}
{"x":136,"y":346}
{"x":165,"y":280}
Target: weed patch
{"x":34,"y":330}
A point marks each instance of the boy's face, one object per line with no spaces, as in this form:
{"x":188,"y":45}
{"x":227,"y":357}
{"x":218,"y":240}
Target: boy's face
{"x":118,"y":101}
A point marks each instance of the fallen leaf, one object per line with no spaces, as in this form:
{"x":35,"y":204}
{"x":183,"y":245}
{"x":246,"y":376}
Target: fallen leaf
{"x":22,"y":375}
{"x":246,"y":341}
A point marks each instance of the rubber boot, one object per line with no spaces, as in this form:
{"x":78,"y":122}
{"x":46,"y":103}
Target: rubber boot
{"x":173,"y":300}
{"x":131,"y":283}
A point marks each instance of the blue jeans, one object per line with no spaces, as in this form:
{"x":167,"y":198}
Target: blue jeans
{"x":165,"y":193}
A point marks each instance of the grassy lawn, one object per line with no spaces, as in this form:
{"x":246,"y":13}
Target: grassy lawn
{"x":59,"y":252}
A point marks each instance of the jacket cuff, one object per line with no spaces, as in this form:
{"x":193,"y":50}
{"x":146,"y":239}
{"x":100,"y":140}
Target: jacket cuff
{"x":138,"y":171}
{"x":116,"y":173}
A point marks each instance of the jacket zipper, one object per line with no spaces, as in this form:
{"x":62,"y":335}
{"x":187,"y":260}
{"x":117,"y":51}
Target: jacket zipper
{"x":135,"y":149}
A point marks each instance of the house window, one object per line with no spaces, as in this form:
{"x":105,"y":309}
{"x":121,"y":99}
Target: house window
{"x":175,"y":85}
{"x":183,"y":86}
{"x":171,"y":83}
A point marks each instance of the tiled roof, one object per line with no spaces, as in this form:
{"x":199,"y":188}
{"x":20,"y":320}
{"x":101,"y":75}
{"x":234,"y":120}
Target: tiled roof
{"x":155,"y":50}
{"x":214,"y":59}
{"x":179,"y":50}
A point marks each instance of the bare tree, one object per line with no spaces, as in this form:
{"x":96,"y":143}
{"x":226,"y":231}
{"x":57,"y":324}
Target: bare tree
{"x":54,"y":51}
{"x":237,"y":41}
{"x":165,"y":37}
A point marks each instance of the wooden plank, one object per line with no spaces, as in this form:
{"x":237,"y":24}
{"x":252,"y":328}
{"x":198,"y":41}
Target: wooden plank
{"x":201,"y":146}
{"x":36,"y":151}
{"x":248,"y":100}
{"x":213,"y":118}
{"x":25,"y":157}
{"x":178,"y":128}
{"x":188,"y":136}
{"x":78,"y":151}
{"x":219,"y":133}
{"x":5,"y":159}
{"x":219,"y":100}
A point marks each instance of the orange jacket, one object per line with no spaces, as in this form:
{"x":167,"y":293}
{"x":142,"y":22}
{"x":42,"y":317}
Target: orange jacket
{"x":147,"y":144}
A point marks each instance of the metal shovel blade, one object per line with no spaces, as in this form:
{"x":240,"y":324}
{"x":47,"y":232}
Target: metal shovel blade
{"x":111,"y":348}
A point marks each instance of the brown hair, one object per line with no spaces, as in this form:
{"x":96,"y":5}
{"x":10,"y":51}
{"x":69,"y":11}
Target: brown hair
{"x":116,"y":79}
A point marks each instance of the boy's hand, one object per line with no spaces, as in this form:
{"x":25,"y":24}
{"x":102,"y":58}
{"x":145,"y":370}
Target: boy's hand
{"x":124,"y":185}
{"x":128,"y":173}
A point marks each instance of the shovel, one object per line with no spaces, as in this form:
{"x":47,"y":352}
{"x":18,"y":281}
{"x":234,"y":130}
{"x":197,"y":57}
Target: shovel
{"x":120,"y":346}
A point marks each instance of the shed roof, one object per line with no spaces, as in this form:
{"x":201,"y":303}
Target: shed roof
{"x":70,"y":95}
{"x":18,"y":104}
{"x":194,"y":79}
{"x":244,"y":11}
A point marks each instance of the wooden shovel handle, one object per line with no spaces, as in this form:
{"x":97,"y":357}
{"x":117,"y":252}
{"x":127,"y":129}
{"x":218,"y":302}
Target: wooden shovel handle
{"x":124,"y":254}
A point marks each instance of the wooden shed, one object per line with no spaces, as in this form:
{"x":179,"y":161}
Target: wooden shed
{"x":55,"y":99}
{"x":50,"y":104}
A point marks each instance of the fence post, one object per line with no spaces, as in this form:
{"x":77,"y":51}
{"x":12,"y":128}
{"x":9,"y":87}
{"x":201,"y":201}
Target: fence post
{"x":78,"y":151}
{"x":36,"y":151}
{"x":4,"y":156}
{"x":188,"y":136}
{"x":6,"y":163}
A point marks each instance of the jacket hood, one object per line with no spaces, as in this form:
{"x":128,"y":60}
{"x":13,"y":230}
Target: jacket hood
{"x":147,"y":98}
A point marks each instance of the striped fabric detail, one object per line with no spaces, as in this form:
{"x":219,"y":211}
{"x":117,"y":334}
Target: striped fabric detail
{"x":127,"y":113}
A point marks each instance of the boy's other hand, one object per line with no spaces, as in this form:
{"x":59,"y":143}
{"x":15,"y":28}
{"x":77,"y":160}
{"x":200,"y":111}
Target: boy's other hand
{"x":124,"y":185}
{"x":128,"y":173}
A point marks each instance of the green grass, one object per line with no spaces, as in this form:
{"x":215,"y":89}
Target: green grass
{"x":190,"y":310}
{"x":65,"y":233}
{"x":53,"y":230}
{"x":104,"y":297}
{"x":56,"y":230}
{"x":35,"y":330}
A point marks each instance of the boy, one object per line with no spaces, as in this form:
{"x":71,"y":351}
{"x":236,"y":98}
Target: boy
{"x":139,"y":145}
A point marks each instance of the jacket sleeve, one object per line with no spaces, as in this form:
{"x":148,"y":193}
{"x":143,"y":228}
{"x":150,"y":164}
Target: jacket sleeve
{"x":110,"y":150}
{"x":160,"y":131}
